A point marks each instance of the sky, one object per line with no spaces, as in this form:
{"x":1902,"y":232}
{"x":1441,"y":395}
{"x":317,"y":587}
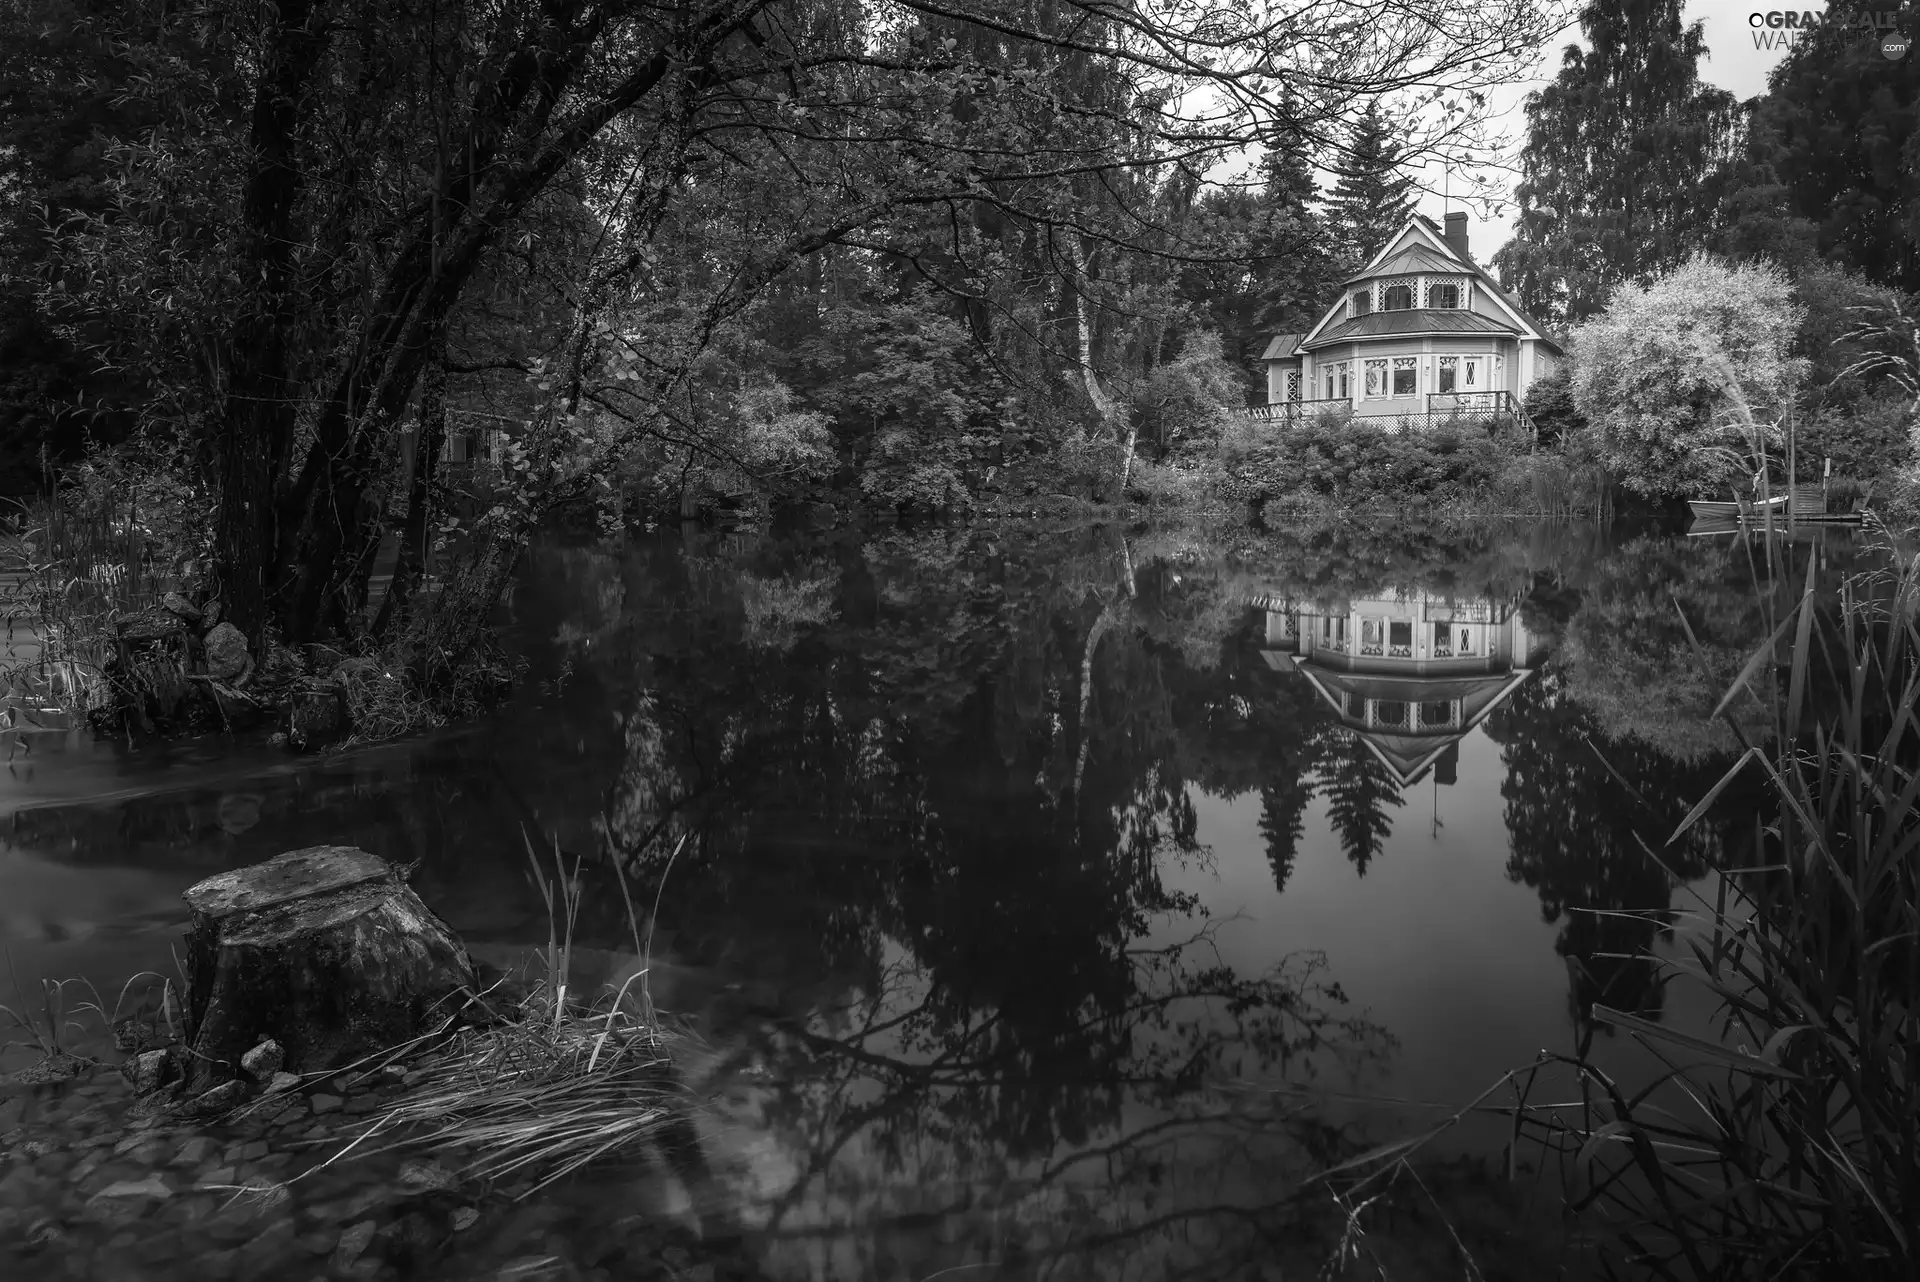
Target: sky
{"x":1734,"y":63}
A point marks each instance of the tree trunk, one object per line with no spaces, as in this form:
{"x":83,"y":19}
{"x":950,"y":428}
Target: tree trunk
{"x":257,"y":421}
{"x":410,"y":567}
{"x":326,"y":951}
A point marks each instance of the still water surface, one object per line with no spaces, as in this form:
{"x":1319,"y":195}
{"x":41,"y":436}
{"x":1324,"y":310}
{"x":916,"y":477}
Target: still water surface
{"x":1045,"y":903}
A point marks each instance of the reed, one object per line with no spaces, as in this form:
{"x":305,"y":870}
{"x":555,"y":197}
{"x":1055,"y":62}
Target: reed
{"x":1788,"y":1145}
{"x":71,"y":565}
{"x":549,"y":1080}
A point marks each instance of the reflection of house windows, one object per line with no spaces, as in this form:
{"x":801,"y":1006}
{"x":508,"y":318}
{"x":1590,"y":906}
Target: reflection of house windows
{"x":1400,"y":639}
{"x":1397,"y":298}
{"x":1465,"y":641}
{"x":1370,"y":637}
{"x":1405,"y":373}
{"x":1390,"y":712}
{"x":1449,"y":366}
{"x":1443,"y":640}
{"x":1437,"y":715}
{"x":1376,"y":380}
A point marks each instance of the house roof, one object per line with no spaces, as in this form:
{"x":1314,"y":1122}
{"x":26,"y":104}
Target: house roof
{"x":1281,"y":347}
{"x":1412,"y":258}
{"x":1422,"y":246}
{"x":1408,"y":754}
{"x":1418,"y":321}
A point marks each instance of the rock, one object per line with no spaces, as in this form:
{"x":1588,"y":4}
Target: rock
{"x":251,"y":1151}
{"x":227,"y":654}
{"x":283,"y":1082}
{"x":210,"y":617}
{"x":148,"y":1071}
{"x":324,"y":1103}
{"x":419,"y":1177}
{"x":164,"y":1100}
{"x":353,"y":1241}
{"x":174,"y":603}
{"x":156,"y":623}
{"x":263,"y":1062}
{"x":220,"y":1177}
{"x":315,"y":718}
{"x":136,"y":1033}
{"x":57,"y":1067}
{"x":196,"y":1151}
{"x":153,"y":1186}
{"x":464,"y":1218}
{"x":212,"y":1102}
{"x":326,"y":951}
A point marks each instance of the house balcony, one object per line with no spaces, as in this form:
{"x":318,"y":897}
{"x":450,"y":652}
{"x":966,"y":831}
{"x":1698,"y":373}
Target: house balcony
{"x":1443,"y":407}
{"x":1291,"y":412}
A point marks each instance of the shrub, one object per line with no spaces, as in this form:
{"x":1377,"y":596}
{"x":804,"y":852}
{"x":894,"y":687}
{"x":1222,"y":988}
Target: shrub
{"x":1351,"y":461}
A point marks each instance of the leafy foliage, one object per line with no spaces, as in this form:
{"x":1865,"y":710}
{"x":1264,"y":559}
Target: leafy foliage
{"x":1622,"y":157}
{"x":1683,"y":380}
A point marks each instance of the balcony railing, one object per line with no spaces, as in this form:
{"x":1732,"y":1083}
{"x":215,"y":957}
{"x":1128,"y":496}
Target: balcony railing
{"x":1291,"y":412}
{"x":1443,"y":405}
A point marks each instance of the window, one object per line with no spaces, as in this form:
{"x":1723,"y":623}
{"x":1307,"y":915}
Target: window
{"x":1398,"y":298}
{"x":1293,"y":385}
{"x":1376,"y":380}
{"x":1449,"y":366}
{"x":1389,"y":712}
{"x":1405,"y":375}
{"x":1437,"y":715}
{"x":1400,"y":638}
{"x":1465,"y":645}
{"x":1346,"y":391}
{"x":1329,"y":395}
{"x":1443,"y":640}
{"x":1370,"y":639}
{"x":1362,"y":303}
{"x":1443,"y":296}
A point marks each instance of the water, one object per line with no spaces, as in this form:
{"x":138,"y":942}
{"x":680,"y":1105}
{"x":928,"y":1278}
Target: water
{"x":1043,"y":903}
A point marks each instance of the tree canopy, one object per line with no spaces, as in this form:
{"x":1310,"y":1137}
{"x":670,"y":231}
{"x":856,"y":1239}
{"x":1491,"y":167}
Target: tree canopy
{"x":1617,"y":171}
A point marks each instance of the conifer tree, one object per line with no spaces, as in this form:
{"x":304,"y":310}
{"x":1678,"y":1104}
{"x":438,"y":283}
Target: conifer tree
{"x":1373,"y":198}
{"x":1621,"y":162}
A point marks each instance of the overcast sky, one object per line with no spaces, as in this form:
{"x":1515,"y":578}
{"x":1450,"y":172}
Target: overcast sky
{"x":1734,"y":63}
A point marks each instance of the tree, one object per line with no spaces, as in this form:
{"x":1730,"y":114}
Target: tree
{"x":1372,"y":198}
{"x":1685,"y":380}
{"x":1837,"y":129}
{"x":1358,"y":790}
{"x":1620,"y":161}
{"x":337,"y":180}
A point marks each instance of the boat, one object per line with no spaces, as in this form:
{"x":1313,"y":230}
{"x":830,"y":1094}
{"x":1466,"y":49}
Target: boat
{"x":1731,"y":510}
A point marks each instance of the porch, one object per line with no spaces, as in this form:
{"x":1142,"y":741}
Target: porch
{"x":1463,"y":409}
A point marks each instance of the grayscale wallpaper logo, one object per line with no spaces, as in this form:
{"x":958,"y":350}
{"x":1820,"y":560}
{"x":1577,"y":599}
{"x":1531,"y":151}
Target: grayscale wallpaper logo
{"x":1781,"y":29}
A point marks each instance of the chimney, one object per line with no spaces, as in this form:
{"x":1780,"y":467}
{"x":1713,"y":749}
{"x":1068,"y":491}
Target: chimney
{"x":1457,"y":235}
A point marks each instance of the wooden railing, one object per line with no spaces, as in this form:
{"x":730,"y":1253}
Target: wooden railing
{"x":1293,"y":411}
{"x":1472,"y":405}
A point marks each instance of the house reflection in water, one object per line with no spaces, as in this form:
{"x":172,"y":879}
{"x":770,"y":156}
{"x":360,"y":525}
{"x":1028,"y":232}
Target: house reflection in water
{"x":1410,"y":674}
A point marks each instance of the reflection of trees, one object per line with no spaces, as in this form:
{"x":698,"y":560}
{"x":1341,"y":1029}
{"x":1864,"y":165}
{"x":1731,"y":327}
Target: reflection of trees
{"x":1359,"y":790}
{"x":1574,"y":829}
{"x":1627,"y":654}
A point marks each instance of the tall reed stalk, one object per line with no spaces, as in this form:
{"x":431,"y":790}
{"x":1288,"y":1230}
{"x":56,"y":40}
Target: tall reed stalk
{"x":70,"y":565}
{"x":1788,"y":1145}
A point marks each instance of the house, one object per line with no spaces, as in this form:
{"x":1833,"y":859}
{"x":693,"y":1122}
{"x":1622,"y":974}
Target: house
{"x":1411,"y":673}
{"x":1423,"y":330}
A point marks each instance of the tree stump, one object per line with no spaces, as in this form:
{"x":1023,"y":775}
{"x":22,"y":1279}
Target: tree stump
{"x":326,"y":950}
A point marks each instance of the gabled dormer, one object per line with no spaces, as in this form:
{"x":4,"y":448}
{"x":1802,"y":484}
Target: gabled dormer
{"x":1422,"y":282}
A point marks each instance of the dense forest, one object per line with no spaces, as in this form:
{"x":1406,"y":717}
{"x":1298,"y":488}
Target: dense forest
{"x":653,"y":248}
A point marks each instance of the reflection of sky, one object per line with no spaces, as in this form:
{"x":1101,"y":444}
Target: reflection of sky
{"x":1435,"y":942}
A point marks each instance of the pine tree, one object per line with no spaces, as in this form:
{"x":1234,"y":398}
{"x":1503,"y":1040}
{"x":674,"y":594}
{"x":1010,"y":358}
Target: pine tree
{"x":1836,"y":131}
{"x":1283,"y":811}
{"x":1621,"y":164}
{"x":1359,"y":790}
{"x":1373,"y":198}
